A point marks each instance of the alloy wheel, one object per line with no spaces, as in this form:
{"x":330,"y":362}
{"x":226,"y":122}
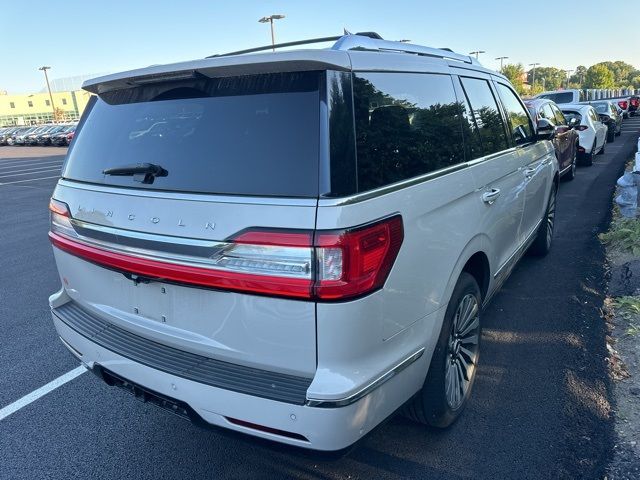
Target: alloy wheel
{"x":463,"y":350}
{"x":551,"y":216}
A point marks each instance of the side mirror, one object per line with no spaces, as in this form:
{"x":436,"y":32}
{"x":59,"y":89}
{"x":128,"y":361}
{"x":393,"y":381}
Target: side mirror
{"x":546,"y":130}
{"x":573,"y":122}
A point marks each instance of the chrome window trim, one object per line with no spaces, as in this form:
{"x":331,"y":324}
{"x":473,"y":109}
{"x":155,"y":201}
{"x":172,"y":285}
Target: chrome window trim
{"x":394,"y":187}
{"x":366,"y":390}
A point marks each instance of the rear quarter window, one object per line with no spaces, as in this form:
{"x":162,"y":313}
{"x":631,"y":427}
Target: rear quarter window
{"x":407,"y":124}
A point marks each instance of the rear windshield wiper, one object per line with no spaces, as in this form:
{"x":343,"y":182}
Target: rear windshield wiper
{"x":141,"y":172}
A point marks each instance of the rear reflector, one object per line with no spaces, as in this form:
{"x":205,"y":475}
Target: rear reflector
{"x":262,"y":428}
{"x":327,"y":266}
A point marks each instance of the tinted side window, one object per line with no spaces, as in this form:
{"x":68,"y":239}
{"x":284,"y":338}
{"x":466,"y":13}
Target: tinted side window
{"x":406,"y":125}
{"x":546,"y":112}
{"x":486,"y":115}
{"x":519,"y":121}
{"x":559,"y":117}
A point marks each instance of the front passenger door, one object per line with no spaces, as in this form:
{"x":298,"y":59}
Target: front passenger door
{"x":537,"y":160}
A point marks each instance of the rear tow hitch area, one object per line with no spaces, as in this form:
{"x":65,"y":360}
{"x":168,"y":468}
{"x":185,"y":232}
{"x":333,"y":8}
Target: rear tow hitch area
{"x":176,"y":407}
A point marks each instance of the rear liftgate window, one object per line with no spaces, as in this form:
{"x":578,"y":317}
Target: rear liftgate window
{"x":249,"y":135}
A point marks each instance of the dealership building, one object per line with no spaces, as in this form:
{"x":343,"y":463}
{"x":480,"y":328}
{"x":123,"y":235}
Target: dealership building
{"x":69,"y":102}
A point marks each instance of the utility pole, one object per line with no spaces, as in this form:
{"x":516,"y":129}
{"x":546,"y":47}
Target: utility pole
{"x":46,"y":78}
{"x":533,"y":75}
{"x":270,"y":20}
{"x":477,"y":53}
{"x":501,"y":60}
{"x":568,"y":72}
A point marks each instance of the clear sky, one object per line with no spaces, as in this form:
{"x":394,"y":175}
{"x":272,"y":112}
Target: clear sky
{"x":82,"y":37}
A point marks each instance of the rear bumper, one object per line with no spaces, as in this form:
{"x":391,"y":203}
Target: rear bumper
{"x":301,"y":425}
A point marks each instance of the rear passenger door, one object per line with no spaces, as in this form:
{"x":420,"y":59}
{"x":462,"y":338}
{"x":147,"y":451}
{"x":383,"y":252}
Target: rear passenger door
{"x":496,"y":168}
{"x":534,"y":157}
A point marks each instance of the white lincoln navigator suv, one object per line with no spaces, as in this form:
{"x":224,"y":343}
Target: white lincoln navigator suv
{"x":295,"y":245}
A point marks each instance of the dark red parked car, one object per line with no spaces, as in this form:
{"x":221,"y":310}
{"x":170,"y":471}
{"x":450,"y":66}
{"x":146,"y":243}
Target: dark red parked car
{"x":565,"y":139}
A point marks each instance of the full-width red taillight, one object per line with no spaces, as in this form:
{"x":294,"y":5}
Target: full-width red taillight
{"x":326,"y":266}
{"x":623,"y":104}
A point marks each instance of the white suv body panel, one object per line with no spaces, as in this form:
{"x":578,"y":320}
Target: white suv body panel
{"x":365,"y":357}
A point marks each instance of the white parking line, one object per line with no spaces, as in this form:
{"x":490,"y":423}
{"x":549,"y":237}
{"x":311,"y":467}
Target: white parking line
{"x":29,"y":180}
{"x":54,"y":169}
{"x":41,"y":392}
{"x":18,"y":170}
{"x":31,"y":164}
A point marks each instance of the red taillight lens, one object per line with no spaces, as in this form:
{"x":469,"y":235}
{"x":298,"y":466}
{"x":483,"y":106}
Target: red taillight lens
{"x":623,"y":104}
{"x":635,"y":102}
{"x":59,"y":208}
{"x":355,"y":262}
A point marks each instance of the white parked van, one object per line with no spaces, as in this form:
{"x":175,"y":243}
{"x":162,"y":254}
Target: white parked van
{"x":294,"y":245}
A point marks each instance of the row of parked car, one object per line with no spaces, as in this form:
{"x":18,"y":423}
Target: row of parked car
{"x":58,"y":134}
{"x":581,"y":128}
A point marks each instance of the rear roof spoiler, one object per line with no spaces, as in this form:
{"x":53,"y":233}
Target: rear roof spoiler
{"x":238,"y":63}
{"x":224,"y":66}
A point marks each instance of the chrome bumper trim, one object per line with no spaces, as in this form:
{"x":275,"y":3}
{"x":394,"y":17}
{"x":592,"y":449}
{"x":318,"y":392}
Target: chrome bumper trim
{"x":343,"y":402}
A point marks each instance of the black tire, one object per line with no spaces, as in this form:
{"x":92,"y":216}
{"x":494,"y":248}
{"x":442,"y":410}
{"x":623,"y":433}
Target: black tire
{"x":611,"y":134}
{"x":544,"y":238}
{"x":437,"y":404}
{"x":601,"y":152}
{"x":587,"y":158}
{"x":571,"y":174}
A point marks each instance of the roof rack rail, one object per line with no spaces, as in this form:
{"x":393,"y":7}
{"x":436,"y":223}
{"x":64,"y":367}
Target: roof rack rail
{"x":368,"y":41}
{"x":278,"y":45}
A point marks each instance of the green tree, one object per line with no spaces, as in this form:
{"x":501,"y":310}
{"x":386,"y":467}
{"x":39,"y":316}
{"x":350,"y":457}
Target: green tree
{"x":599,"y":76}
{"x":515,"y":73}
{"x":635,"y":81}
{"x":549,"y":78}
{"x":577,"y":79}
{"x":622,"y":72}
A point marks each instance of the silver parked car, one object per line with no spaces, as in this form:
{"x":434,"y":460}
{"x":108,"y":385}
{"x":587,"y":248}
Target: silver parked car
{"x":293,"y":245}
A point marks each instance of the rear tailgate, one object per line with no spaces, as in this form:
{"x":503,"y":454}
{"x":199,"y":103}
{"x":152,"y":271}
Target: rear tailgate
{"x":238,"y":156}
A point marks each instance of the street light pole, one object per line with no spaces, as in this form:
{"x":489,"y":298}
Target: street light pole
{"x":533,"y":75}
{"x":568,"y":72}
{"x":501,"y":60}
{"x":477,"y":53}
{"x":46,"y":78}
{"x":270,"y":20}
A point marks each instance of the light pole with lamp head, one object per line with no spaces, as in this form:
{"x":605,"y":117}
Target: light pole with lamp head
{"x":46,"y":77}
{"x":533,"y":75}
{"x":502,"y":59}
{"x":270,"y":20}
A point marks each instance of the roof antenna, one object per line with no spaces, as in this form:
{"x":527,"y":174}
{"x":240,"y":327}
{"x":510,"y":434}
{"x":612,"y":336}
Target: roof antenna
{"x":347,"y":32}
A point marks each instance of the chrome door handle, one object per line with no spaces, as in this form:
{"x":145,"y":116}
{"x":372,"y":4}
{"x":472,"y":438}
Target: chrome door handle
{"x":529,"y":172}
{"x":491,"y":196}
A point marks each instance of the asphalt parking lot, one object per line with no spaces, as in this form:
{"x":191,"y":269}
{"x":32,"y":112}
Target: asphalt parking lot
{"x":541,"y":405}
